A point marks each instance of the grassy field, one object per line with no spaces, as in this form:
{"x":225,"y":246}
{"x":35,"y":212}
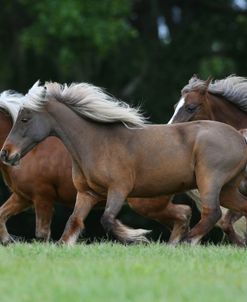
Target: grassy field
{"x":112,"y":272}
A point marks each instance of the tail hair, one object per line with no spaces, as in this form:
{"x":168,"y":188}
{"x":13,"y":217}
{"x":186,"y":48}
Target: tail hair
{"x":129,"y":235}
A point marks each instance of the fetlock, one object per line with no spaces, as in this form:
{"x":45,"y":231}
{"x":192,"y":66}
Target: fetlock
{"x":107,"y":222}
{"x":4,"y":235}
{"x":43,"y":235}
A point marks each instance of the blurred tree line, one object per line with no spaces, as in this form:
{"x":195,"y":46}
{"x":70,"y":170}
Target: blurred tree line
{"x":142,"y":51}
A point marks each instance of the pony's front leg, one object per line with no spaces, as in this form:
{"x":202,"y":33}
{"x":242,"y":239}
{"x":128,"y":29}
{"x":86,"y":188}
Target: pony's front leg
{"x":43,"y":214}
{"x":115,"y":200}
{"x":75,"y":225}
{"x":14,"y":205}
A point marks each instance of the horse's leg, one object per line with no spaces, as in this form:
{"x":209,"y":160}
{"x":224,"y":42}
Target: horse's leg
{"x":75,"y":225}
{"x":236,"y":202}
{"x":174,"y":216}
{"x":226,"y":223}
{"x":211,"y":212}
{"x":115,"y":200}
{"x":43,"y":214}
{"x":14,"y":205}
{"x":180,"y":215}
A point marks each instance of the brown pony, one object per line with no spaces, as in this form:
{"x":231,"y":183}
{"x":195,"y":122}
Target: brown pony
{"x":115,"y":155}
{"x":44,"y":176}
{"x":224,"y":101}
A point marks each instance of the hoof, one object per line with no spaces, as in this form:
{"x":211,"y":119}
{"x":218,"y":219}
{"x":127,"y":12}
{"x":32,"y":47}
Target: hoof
{"x":174,"y":242}
{"x":41,"y":240}
{"x":64,"y":243}
{"x":186,"y":241}
{"x":17,"y":238}
{"x":11,"y":239}
{"x":239,"y":243}
{"x":190,"y":241}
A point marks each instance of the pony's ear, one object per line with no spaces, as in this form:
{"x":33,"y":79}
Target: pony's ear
{"x":37,"y":91}
{"x":206,"y":85}
{"x":193,"y":79}
{"x":208,"y":81}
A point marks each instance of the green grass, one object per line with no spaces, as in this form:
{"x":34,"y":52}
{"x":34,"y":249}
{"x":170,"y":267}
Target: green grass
{"x":111,"y":272}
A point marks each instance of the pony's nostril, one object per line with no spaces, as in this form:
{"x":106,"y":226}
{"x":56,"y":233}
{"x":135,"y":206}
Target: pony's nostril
{"x":4,"y":154}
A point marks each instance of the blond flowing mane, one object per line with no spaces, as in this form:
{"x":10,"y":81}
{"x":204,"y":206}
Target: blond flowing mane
{"x":232,"y":88}
{"x":11,"y":102}
{"x":86,"y":100}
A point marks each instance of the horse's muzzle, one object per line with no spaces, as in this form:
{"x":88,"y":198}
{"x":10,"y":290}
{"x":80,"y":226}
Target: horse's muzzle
{"x":10,"y":160}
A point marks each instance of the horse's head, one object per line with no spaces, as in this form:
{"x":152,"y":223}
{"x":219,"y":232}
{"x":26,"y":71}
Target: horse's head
{"x":31,"y":127}
{"x":193,"y":103}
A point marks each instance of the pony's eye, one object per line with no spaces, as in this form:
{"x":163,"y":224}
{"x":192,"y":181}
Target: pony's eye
{"x":24,"y":120}
{"x":190,"y":108}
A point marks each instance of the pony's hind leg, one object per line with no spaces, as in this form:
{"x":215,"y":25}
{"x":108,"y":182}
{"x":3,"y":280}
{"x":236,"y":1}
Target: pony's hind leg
{"x":43,"y":213}
{"x":232,"y":199}
{"x":115,"y":200}
{"x":180,"y":214}
{"x":176,"y":217}
{"x":75,"y":225}
{"x":13,"y":206}
{"x":210,"y":213}
{"x":226,"y":223}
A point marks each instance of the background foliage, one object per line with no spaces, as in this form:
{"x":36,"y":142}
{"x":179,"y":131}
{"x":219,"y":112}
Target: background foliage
{"x":143,"y":51}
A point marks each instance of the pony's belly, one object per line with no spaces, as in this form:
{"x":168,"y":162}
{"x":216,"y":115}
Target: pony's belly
{"x":163,"y":186}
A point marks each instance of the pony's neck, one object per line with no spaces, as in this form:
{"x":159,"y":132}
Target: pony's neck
{"x":226,"y":112}
{"x":74,"y":131}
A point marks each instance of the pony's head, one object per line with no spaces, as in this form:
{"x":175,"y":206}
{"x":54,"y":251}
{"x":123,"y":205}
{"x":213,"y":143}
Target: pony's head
{"x":31,"y":126}
{"x":193,"y":102}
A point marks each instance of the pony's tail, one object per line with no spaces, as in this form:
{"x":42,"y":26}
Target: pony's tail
{"x":128,"y":235}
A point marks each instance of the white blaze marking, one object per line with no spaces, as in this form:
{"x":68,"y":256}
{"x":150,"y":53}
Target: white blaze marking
{"x":180,"y":104}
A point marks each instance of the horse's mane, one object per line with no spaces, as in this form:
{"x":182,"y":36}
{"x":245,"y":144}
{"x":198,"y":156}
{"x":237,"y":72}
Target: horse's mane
{"x":86,"y":100}
{"x":11,"y":102}
{"x":232,"y":88}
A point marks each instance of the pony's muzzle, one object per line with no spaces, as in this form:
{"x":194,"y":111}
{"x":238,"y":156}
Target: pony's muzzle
{"x":9,"y":160}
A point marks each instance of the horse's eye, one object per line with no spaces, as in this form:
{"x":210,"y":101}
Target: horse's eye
{"x":24,"y":120}
{"x":190,"y":108}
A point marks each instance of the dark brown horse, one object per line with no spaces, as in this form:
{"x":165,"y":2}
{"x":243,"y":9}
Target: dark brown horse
{"x":44,"y":176}
{"x":224,"y":101}
{"x":115,"y":155}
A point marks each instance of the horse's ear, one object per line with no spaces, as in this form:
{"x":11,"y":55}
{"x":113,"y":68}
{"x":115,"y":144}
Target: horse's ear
{"x":208,"y":81}
{"x":193,"y":79}
{"x":206,"y":85}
